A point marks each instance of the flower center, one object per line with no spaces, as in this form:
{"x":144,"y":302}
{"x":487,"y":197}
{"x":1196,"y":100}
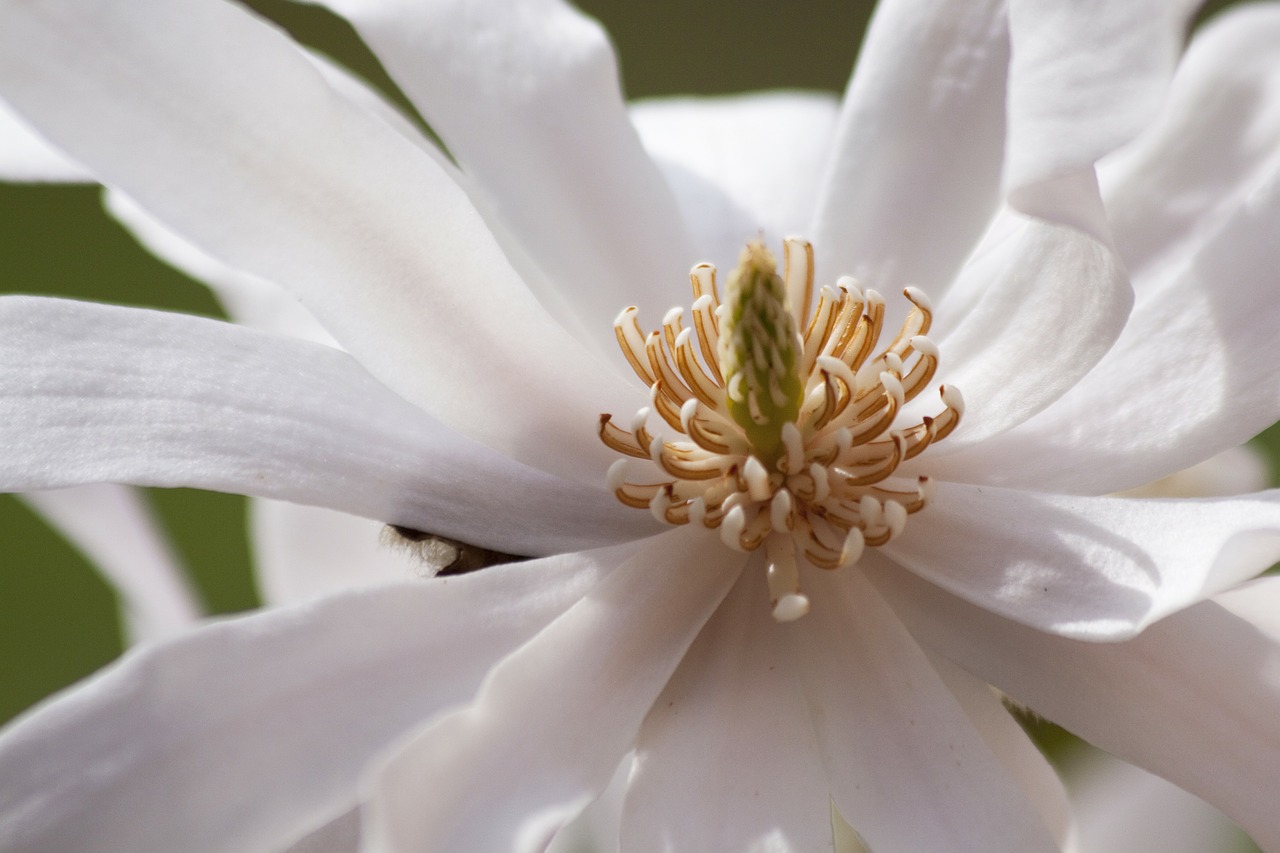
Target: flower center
{"x":786,"y":441}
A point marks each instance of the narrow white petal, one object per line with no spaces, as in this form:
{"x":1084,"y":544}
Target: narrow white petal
{"x":113,"y":527}
{"x":552,"y":721}
{"x":915,"y":174}
{"x":1194,"y":698}
{"x":525,"y":95}
{"x":727,"y":759}
{"x":1085,"y":78}
{"x":741,"y":166}
{"x":254,"y":157}
{"x":95,"y":393}
{"x":26,"y":157}
{"x":1046,"y":302}
{"x":246,"y":734}
{"x":1091,"y":568}
{"x":906,"y":767}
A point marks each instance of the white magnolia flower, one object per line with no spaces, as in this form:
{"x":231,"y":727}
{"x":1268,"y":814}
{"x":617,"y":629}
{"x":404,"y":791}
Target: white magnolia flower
{"x":1097,"y":345}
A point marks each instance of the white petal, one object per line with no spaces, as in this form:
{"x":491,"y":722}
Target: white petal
{"x":1085,"y":78}
{"x":1235,"y":471}
{"x":25,"y":156}
{"x":1122,"y":807}
{"x":1258,"y":602}
{"x":741,"y":166}
{"x":598,"y":828}
{"x":1216,"y":141}
{"x":1194,"y":698}
{"x":251,"y":155}
{"x":102,"y":394}
{"x":916,"y":167}
{"x":340,"y":835}
{"x":726,"y":759}
{"x":247,"y":733}
{"x":113,"y":527}
{"x":553,"y":720}
{"x":1010,"y":743}
{"x":906,"y":767}
{"x":303,"y":552}
{"x":1195,"y":372}
{"x":525,"y":95}
{"x":1091,"y":568}
{"x":247,"y":299}
{"x":1048,"y":302}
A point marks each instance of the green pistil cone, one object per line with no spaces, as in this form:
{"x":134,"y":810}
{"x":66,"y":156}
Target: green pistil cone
{"x":758,"y":353}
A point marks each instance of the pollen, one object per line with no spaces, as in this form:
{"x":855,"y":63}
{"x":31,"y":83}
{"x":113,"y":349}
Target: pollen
{"x":776,"y":438}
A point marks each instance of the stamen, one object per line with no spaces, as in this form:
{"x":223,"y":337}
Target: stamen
{"x":757,"y":477}
{"x":784,"y":580}
{"x":631,"y":340}
{"x":780,"y":511}
{"x":784,"y":442}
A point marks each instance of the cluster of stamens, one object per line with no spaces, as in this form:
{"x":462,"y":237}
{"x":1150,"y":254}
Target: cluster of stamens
{"x":788,"y":441}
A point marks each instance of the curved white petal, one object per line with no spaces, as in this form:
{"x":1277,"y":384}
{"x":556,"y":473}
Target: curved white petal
{"x":254,"y":157}
{"x":906,"y":766}
{"x":916,"y":166}
{"x":302,"y":552}
{"x":726,"y":759}
{"x":1195,"y":371}
{"x":525,"y":95}
{"x":1217,"y":140}
{"x":1085,"y":78}
{"x":1048,"y":301}
{"x":1122,"y":807}
{"x":26,"y":157}
{"x":247,"y":733}
{"x":113,"y":527}
{"x":95,"y":393}
{"x":1194,"y":698}
{"x":1091,"y":568}
{"x":564,"y":709}
{"x":741,"y":166}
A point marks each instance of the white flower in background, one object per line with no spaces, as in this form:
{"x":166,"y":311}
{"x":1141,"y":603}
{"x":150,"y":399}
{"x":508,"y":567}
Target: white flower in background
{"x":475,"y":304}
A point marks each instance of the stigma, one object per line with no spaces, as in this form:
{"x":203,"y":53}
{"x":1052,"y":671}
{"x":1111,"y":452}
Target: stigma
{"x":780,"y":439}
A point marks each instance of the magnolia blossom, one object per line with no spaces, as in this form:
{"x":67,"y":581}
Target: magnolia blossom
{"x":1101,"y":338}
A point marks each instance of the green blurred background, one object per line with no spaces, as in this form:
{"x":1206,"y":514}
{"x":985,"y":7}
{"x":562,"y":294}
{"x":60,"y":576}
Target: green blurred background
{"x":58,"y":619}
